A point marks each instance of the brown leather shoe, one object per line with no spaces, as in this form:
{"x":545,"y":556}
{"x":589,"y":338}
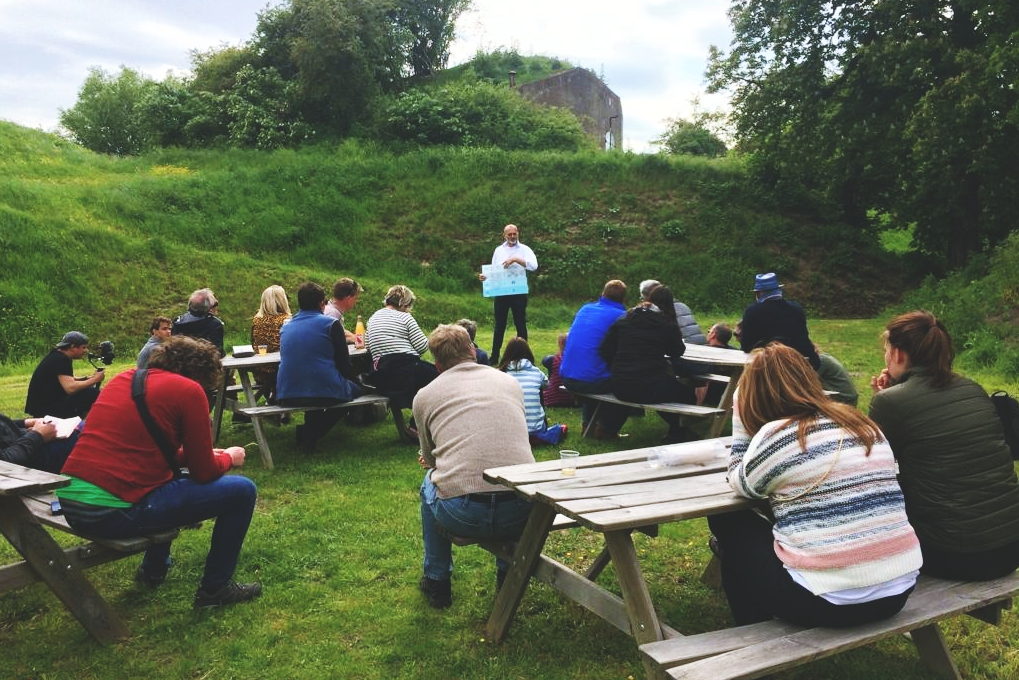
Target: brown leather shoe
{"x":603,"y":434}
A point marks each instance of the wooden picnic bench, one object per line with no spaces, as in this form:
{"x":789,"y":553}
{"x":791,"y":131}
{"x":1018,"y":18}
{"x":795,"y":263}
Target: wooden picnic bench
{"x":665,"y":407}
{"x":727,"y":360}
{"x":25,"y":497}
{"x":227,"y":400}
{"x":752,"y":651}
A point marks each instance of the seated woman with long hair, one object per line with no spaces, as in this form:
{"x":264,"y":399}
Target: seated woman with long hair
{"x":840,"y":550}
{"x":955,"y":468}
{"x":641,"y":349}
{"x":273,"y":312}
{"x":518,"y":362}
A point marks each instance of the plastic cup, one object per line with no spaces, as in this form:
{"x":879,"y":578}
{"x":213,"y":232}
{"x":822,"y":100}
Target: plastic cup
{"x":569,"y":462}
{"x":654,"y":459}
{"x":263,"y":349}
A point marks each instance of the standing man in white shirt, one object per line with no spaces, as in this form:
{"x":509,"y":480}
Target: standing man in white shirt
{"x":512,"y":253}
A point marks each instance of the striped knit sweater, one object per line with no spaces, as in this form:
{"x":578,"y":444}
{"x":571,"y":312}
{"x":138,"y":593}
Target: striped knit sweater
{"x":391,"y":331}
{"x":532,"y":380}
{"x":840,"y":519}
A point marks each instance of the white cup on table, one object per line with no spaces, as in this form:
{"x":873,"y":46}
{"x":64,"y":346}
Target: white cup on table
{"x":569,"y":462}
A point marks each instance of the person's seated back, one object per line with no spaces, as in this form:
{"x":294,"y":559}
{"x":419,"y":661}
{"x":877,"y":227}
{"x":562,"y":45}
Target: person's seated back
{"x":518,"y":362}
{"x":200,"y":321}
{"x":688,"y":326}
{"x":554,"y":394}
{"x":956,"y":470}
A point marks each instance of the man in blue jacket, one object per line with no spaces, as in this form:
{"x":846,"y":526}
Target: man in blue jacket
{"x":315,"y":368}
{"x":583,"y":370}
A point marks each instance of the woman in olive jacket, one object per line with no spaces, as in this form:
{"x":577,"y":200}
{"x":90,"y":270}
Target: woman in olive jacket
{"x":956,"y":471}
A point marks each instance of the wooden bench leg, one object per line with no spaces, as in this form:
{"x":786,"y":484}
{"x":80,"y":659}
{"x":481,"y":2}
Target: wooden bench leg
{"x":594,"y":419}
{"x":643,"y":618}
{"x":263,"y":443}
{"x":934,"y":653}
{"x":524,"y":561}
{"x":66,"y":581}
{"x":712,"y":575}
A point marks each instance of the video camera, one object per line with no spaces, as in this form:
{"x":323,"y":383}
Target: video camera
{"x":105,"y":355}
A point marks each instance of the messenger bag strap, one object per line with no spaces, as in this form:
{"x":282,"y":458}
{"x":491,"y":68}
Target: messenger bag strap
{"x":138,"y":395}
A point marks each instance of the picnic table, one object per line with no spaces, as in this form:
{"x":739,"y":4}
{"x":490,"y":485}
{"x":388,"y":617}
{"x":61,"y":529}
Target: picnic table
{"x":243,"y":368}
{"x":618,"y":493}
{"x":613,"y":494}
{"x":731,"y":363}
{"x":44,"y":559}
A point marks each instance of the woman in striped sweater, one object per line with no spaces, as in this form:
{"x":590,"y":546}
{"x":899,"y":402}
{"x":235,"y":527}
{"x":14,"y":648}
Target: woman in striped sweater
{"x":518,"y":361}
{"x":396,"y":343}
{"x":840,"y":550}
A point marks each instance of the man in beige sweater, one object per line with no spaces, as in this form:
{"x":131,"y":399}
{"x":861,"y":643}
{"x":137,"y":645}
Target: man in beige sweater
{"x":469,"y":418}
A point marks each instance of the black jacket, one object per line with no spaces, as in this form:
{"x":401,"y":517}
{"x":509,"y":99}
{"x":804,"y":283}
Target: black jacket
{"x":204,"y":326}
{"x":636,"y":346}
{"x":18,"y":445}
{"x":777,"y":319}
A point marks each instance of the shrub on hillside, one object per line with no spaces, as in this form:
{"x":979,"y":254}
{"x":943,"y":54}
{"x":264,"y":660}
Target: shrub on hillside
{"x":479,"y":114}
{"x":979,"y":305}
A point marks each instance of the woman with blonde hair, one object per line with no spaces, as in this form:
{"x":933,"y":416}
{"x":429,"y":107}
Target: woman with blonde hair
{"x":273,"y":312}
{"x":955,"y":468}
{"x":839,"y":550}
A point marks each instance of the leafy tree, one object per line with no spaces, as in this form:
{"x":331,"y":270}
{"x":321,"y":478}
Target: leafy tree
{"x":904,"y":106}
{"x":105,"y":118}
{"x":341,"y":53}
{"x":685,"y":137}
{"x":216,"y":70}
{"x":165,"y":110}
{"x":430,"y":25}
{"x":261,"y":110}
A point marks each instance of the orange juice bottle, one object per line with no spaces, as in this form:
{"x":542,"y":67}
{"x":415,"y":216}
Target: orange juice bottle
{"x":359,"y":332}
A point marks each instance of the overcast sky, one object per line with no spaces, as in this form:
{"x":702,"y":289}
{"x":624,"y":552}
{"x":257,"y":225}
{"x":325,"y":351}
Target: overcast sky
{"x":652,"y":53}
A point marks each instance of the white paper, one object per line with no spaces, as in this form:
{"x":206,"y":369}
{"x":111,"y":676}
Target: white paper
{"x":65,"y":426}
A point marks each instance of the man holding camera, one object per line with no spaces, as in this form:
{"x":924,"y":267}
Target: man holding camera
{"x":54,"y":390}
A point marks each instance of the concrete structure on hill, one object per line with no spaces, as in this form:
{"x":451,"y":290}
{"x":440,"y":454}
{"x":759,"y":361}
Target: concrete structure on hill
{"x":582,"y":92}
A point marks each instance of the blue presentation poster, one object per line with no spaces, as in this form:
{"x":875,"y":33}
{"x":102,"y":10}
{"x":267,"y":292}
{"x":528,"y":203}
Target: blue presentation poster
{"x":501,"y":281}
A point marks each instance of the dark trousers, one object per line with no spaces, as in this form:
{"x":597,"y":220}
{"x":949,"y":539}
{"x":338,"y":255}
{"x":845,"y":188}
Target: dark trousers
{"x":759,"y":588}
{"x":504,"y":304}
{"x":981,"y":566}
{"x":75,"y":404}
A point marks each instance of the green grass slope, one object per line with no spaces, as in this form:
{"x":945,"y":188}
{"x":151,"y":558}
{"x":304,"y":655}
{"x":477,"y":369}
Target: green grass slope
{"x":102,"y":244}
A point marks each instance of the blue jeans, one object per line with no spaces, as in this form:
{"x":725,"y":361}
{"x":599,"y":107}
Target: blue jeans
{"x":229,"y":499}
{"x":462,"y":517}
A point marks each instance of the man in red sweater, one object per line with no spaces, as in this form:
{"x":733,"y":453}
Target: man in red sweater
{"x":122,"y":484}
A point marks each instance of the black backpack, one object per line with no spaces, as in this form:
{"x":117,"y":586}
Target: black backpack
{"x":1008,"y":412}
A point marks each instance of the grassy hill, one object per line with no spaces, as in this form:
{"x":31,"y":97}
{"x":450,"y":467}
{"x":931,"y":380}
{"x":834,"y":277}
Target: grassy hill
{"x":102,"y":244}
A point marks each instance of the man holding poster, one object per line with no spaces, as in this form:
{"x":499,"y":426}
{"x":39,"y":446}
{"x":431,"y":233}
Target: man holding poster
{"x":506,"y":281}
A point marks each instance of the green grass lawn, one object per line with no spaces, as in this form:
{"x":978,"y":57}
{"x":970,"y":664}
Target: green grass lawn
{"x":336,"y":543}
